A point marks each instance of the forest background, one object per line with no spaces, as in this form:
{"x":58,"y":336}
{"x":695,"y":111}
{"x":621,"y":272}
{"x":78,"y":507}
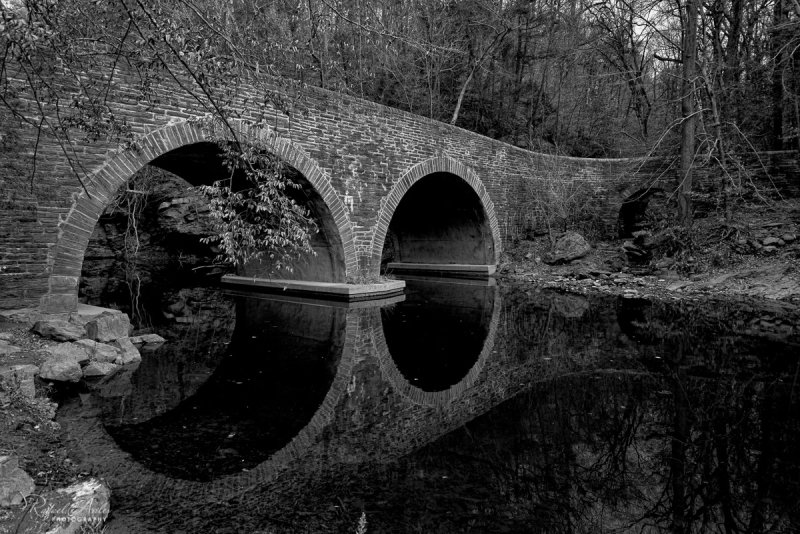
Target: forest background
{"x":701,"y":81}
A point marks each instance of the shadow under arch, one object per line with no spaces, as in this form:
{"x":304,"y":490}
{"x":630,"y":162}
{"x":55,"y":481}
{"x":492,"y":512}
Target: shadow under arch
{"x":66,"y":258}
{"x":630,"y":211}
{"x":441,"y":394}
{"x":130,"y":477}
{"x":424,"y":184}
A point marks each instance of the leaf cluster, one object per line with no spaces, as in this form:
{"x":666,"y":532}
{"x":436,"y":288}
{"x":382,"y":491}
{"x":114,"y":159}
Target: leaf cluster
{"x":253,"y":213}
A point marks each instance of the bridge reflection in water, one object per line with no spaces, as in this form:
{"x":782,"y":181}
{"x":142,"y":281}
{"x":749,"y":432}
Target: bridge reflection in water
{"x":317,"y":410}
{"x":280,"y":364}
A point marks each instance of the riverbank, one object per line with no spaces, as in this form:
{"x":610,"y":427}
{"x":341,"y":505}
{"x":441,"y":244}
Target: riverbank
{"x":755,"y":262}
{"x":756,"y":256}
{"x":42,"y":488}
{"x":541,"y":329}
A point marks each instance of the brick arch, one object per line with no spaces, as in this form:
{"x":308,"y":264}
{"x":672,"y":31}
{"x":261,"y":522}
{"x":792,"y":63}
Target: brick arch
{"x":65,"y":259}
{"x":389,"y":204}
{"x":435,"y":398}
{"x":127,"y":476}
{"x":642,"y":189}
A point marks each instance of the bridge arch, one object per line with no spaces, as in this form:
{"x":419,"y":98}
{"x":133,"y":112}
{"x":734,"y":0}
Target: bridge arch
{"x":65,"y":259}
{"x":632,"y":205}
{"x":132,"y":480}
{"x":444,"y":397}
{"x":422,"y":187}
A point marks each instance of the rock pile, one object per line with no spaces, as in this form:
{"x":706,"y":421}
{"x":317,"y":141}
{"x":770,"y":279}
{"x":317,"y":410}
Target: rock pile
{"x":88,"y":347}
{"x":766,"y":243}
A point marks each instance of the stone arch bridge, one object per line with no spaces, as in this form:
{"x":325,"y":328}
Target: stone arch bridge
{"x":374,"y":176}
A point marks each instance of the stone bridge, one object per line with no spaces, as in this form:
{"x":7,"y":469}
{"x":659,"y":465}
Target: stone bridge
{"x":374,"y":176}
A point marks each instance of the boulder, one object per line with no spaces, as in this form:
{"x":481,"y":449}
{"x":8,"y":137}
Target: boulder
{"x":61,"y":370}
{"x":80,"y":507}
{"x":15,"y":484}
{"x":772,"y":241}
{"x":108,"y":326}
{"x":19,"y":377}
{"x":95,"y":369}
{"x":58,"y":329}
{"x":128,"y":352}
{"x":76,"y":351}
{"x":789,"y":237}
{"x":568,"y":247}
{"x":99,"y":352}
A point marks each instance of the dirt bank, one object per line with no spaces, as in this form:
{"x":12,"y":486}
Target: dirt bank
{"x":755,"y":255}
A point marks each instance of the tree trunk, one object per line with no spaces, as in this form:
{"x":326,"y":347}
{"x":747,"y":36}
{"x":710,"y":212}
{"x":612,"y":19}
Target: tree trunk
{"x":778,"y":55}
{"x":677,"y":462}
{"x":688,"y":113}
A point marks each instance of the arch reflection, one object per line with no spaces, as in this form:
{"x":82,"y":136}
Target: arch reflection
{"x":280,"y":365}
{"x":433,"y":344}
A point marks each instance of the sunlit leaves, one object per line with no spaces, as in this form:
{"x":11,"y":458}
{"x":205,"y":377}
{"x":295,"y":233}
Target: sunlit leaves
{"x":254,"y":217}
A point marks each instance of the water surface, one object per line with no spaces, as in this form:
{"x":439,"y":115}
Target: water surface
{"x":464,"y":407}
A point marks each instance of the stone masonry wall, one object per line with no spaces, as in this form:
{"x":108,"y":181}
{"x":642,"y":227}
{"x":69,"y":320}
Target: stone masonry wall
{"x":361,"y":157}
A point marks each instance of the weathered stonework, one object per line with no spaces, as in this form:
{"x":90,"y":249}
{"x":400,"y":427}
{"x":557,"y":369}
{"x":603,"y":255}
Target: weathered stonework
{"x":359,"y":157}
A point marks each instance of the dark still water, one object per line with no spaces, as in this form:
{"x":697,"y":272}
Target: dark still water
{"x":462,"y":407}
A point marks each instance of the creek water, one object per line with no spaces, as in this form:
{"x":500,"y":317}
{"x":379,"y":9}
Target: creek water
{"x":463,"y":406}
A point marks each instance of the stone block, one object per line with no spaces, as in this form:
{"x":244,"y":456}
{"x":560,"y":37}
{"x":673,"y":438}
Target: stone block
{"x":76,"y":351}
{"x":61,"y":370}
{"x":97,"y":369}
{"x":99,"y":352}
{"x":128,"y":352}
{"x":66,"y":302}
{"x":108,"y":327}
{"x":58,"y":330}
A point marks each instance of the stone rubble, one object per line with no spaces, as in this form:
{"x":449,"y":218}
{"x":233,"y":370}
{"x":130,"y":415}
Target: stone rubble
{"x":59,"y":330}
{"x":69,"y":357}
{"x":94,"y":344}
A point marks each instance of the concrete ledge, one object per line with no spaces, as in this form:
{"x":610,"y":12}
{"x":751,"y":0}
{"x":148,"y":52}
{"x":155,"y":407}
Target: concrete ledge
{"x":450,"y":268}
{"x":310,"y":300}
{"x":330,"y":290}
{"x":478,"y":281}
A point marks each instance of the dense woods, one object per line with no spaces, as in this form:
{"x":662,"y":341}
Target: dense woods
{"x":700,"y":81}
{"x":580,"y":77}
